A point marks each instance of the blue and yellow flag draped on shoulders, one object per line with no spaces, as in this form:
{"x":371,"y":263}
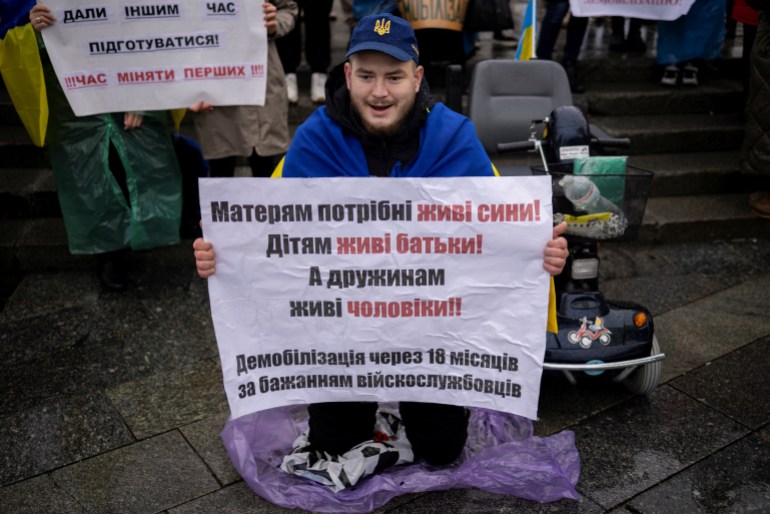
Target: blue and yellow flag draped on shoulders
{"x":21,"y":68}
{"x":527,"y":40}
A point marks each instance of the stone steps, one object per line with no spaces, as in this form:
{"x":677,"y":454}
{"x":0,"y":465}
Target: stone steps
{"x":700,"y":173}
{"x":644,"y":98}
{"x":28,"y":193}
{"x":663,"y":133}
{"x":17,"y":150}
{"x":678,"y":219}
{"x":629,"y":68}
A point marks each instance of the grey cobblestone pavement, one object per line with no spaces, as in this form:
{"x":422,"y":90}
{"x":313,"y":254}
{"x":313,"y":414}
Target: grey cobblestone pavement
{"x":114,"y":403}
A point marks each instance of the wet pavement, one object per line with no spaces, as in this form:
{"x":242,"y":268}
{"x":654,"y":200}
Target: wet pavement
{"x":113,"y":402}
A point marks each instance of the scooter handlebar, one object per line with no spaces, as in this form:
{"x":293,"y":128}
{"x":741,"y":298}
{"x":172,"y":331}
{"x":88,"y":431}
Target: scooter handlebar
{"x":611,"y":142}
{"x":600,"y":142}
{"x":518,"y":146}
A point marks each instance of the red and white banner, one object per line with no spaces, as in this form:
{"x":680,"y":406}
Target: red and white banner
{"x":643,"y":9}
{"x":370,"y":289}
{"x":116,"y":56}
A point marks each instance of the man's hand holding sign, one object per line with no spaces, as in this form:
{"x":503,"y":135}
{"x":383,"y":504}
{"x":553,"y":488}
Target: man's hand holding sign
{"x":269,"y":10}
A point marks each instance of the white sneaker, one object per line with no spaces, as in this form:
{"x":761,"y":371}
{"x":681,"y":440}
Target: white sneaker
{"x":690,"y":75}
{"x":291,"y":88}
{"x":670,"y":75}
{"x":317,"y":87}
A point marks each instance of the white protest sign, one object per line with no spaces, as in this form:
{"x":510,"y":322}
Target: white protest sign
{"x":117,"y":56}
{"x":371,"y":289}
{"x":643,"y":9}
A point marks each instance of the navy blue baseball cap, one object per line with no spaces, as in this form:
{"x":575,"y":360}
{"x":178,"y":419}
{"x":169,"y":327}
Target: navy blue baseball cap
{"x":384,"y":33}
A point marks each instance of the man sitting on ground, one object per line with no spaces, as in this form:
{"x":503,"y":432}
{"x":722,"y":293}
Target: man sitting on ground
{"x":381,"y":120}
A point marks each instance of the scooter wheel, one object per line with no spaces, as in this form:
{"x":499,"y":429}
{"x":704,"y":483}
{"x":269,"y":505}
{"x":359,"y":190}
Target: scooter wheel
{"x":646,"y":378}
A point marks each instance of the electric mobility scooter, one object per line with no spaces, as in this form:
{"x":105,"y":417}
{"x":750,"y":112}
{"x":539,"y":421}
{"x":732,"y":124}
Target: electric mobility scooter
{"x":601,"y":199}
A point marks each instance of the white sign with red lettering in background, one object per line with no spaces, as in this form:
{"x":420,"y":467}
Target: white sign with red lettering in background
{"x":370,"y":289}
{"x":117,"y":56}
{"x":642,"y":9}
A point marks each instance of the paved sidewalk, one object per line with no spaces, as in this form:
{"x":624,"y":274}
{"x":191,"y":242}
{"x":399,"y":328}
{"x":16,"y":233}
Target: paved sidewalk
{"x":114,"y":402}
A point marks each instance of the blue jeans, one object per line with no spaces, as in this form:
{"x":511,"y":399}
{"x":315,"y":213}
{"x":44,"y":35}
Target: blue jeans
{"x":555,"y":11}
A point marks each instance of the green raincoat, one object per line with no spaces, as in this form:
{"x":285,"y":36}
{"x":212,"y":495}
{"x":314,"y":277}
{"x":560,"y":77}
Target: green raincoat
{"x":96,"y":214}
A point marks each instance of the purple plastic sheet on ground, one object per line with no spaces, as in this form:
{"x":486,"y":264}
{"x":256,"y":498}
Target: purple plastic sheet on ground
{"x":502,"y":456}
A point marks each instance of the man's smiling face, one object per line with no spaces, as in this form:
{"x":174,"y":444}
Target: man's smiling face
{"x":382,"y":90}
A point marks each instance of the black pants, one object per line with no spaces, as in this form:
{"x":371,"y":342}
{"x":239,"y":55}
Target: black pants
{"x":749,"y":35}
{"x":118,"y":171}
{"x":555,"y":11}
{"x":440,"y":45}
{"x":225,"y":167}
{"x":437,"y":432}
{"x":315,"y":17}
{"x":618,"y":24}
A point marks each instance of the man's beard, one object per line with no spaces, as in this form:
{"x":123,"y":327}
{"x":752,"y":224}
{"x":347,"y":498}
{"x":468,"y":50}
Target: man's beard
{"x":380,"y":131}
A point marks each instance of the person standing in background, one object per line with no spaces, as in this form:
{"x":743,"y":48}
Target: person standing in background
{"x":749,"y":18}
{"x":117,"y":178}
{"x":259,"y":133}
{"x":555,"y":11}
{"x":755,"y":153}
{"x":683,"y":42}
{"x":314,"y":15}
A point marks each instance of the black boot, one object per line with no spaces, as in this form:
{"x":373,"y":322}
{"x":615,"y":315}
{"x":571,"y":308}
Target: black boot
{"x":617,"y":43}
{"x":635,"y":43}
{"x":572,"y":76}
{"x":112,"y":270}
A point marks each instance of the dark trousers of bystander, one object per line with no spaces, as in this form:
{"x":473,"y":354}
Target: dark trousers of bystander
{"x":315,"y":18}
{"x":225,"y":167}
{"x":555,"y":11}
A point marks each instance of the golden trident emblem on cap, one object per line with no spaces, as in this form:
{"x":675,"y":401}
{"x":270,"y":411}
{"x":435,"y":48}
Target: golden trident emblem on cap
{"x":382,"y":27}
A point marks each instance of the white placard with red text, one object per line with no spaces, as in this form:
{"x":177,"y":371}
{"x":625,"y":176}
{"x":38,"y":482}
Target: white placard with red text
{"x":117,"y":56}
{"x":643,"y":9}
{"x":370,"y":289}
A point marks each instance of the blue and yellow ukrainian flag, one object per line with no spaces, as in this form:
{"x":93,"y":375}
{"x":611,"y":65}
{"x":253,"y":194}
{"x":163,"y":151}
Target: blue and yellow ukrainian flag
{"x":526,"y":48}
{"x":21,"y":68}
